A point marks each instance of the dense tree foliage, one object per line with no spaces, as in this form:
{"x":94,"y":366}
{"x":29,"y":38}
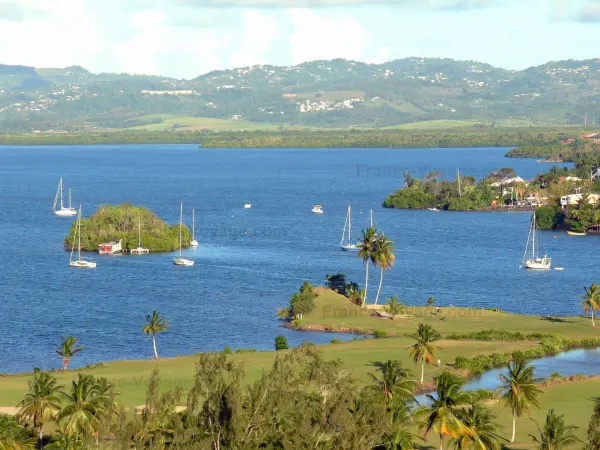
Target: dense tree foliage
{"x":111,"y":223}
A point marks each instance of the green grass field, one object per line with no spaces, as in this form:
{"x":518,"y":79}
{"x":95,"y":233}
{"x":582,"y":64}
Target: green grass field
{"x":336,"y":312}
{"x":188,"y":123}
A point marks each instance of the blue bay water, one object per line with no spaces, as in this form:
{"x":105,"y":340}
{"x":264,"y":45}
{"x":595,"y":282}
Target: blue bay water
{"x":250,"y":261}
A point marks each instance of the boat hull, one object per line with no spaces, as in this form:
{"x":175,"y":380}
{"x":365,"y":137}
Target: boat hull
{"x":194,"y":243}
{"x":183,"y":262}
{"x":538,"y":264}
{"x":83,"y":264}
{"x":66,"y":212}
{"x":349,"y":248}
{"x":139,"y":251}
{"x":575,"y":233}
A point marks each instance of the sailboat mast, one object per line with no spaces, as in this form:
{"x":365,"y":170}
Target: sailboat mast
{"x":139,"y":232}
{"x":371,"y":217}
{"x":61,"y":194}
{"x":533,"y":239}
{"x":194,"y":223}
{"x":69,"y":198}
{"x":180,"y":228}
{"x":79,"y":235}
{"x":349,"y":223}
{"x":458,"y":179}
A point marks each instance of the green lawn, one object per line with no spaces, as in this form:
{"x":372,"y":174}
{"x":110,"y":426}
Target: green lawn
{"x":189,"y":123}
{"x":131,"y":377}
{"x":335,"y":312}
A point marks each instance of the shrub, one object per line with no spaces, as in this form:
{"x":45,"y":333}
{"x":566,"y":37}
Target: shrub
{"x":482,"y":395}
{"x":380,"y":334}
{"x":281,"y":343}
{"x":336,"y":341}
{"x":226,"y":351}
{"x":245,"y":350}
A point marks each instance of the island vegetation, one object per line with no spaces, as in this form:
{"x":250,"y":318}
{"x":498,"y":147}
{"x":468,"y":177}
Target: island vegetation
{"x":560,"y":149}
{"x":463,"y":193}
{"x":120,"y":222}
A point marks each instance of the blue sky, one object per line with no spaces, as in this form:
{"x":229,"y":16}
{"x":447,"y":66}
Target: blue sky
{"x":184,"y":38}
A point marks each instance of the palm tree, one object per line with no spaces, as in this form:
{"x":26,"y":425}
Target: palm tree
{"x":366,"y":252}
{"x":555,"y":435}
{"x":384,"y":258}
{"x":441,"y":415}
{"x":481,"y":431}
{"x":13,"y":435}
{"x":431,"y":301}
{"x":41,"y":402}
{"x":520,"y":392}
{"x":391,"y":381}
{"x":394,"y":307}
{"x":67,"y":349}
{"x":155,"y":324}
{"x":424,"y":350}
{"x":88,"y":399}
{"x":591,"y":300}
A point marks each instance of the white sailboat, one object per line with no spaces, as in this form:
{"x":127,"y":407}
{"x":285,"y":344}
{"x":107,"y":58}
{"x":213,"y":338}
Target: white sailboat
{"x":194,"y":242}
{"x":181,"y":261}
{"x":317,"y":209}
{"x":70,"y":211}
{"x":79,"y":262}
{"x":531,"y":258}
{"x":139,"y":250}
{"x":346,"y":244}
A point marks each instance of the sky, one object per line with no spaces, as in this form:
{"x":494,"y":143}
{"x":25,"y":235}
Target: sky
{"x":186,"y":38}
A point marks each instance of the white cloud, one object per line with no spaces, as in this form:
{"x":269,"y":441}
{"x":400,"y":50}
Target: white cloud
{"x":320,"y":36}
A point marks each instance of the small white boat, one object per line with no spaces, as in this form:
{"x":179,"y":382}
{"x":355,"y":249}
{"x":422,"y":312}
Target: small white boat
{"x":531,"y":259}
{"x":79,"y":262}
{"x":248,"y":206}
{"x":64,"y":212}
{"x":434,"y":209}
{"x":194,"y":242}
{"x":317,"y":209}
{"x":181,"y":261}
{"x":346,"y":244}
{"x":139,"y":250}
{"x":559,"y":268}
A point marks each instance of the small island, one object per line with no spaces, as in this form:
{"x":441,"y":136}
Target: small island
{"x":121,"y":222}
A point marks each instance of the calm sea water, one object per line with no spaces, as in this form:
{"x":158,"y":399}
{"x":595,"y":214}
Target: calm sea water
{"x":230,"y":297}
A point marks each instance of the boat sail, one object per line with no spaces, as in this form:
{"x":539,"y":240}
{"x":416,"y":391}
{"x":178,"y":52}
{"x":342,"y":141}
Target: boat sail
{"x":194,"y":242}
{"x":139,"y":250}
{"x":181,"y":261}
{"x":346,"y":243}
{"x":69,"y":211}
{"x":79,"y":262}
{"x":531,"y":258}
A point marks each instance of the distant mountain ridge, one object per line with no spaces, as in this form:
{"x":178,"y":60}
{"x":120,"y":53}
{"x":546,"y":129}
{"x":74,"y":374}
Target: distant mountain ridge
{"x":317,"y":93}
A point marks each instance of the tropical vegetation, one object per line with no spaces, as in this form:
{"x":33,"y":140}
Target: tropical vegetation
{"x":424,"y":350}
{"x":555,"y":434}
{"x":67,"y":350}
{"x":591,"y":300}
{"x":122,"y":222}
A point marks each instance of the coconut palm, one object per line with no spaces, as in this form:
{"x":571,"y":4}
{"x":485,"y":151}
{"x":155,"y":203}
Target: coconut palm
{"x":87,"y":400}
{"x":13,"y":435}
{"x":519,"y":390}
{"x":480,"y":433}
{"x":155,"y":324}
{"x":423,"y":350}
{"x":591,"y":300}
{"x":67,"y":350}
{"x":41,"y":402}
{"x":394,"y":307}
{"x":384,"y":258}
{"x":441,"y":416}
{"x":392,"y":381}
{"x":366,"y":252}
{"x":62,"y":441}
{"x":555,"y":435}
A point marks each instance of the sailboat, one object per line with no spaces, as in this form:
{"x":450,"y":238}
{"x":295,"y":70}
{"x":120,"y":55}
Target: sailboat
{"x":346,"y":244}
{"x":79,"y":262}
{"x":531,"y":258}
{"x":194,"y":242}
{"x":181,"y":261}
{"x":70,"y":211}
{"x":139,"y":250}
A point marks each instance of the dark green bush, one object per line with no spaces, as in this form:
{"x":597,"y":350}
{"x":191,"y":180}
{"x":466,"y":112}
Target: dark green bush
{"x":281,"y":343}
